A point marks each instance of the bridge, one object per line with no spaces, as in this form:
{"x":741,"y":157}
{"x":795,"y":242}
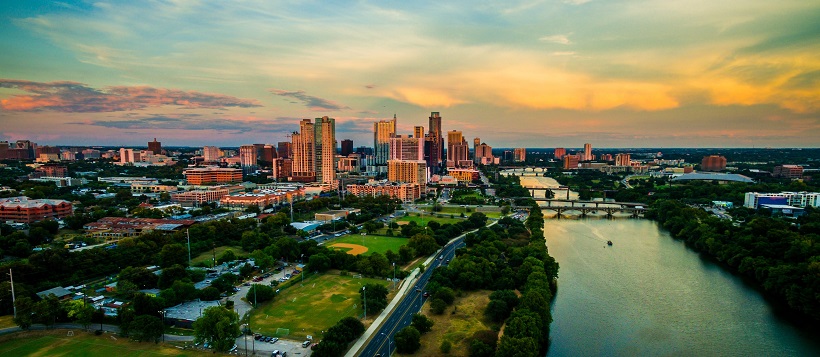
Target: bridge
{"x":560,"y":206}
{"x":524,"y":168}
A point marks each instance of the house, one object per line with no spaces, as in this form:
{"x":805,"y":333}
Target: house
{"x":60,"y":292}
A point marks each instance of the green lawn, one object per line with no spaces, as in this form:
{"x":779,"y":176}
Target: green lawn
{"x":209,"y":255}
{"x":57,"y":343}
{"x":312,"y":308}
{"x":373,"y":242}
{"x":422,"y":221}
{"x":7,"y":321}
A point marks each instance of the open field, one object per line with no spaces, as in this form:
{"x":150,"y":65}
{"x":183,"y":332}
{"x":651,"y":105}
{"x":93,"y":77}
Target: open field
{"x":422,"y":221}
{"x":209,"y":255}
{"x":374,"y":243}
{"x":57,"y":343}
{"x":312,"y":308}
{"x":456,"y":328}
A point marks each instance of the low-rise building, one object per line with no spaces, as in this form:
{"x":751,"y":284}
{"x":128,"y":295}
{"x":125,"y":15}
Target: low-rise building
{"x":261,"y":198}
{"x":114,"y":228}
{"x":184,"y":315}
{"x":401,"y":191}
{"x":788,"y":171}
{"x":798,"y":199}
{"x":464,"y":175}
{"x":212,"y":175}
{"x":24,"y":210}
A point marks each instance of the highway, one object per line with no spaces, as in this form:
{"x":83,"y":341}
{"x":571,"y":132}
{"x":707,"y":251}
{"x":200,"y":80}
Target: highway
{"x":382,"y":344}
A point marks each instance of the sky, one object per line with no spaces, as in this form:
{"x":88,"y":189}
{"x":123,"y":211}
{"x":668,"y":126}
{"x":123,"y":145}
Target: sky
{"x":620,"y":74}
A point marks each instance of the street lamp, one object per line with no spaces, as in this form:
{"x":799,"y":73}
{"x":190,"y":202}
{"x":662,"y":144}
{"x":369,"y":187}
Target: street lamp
{"x":365,"y":301}
{"x":162,"y":312}
{"x":394,"y":275}
{"x":245,"y":337}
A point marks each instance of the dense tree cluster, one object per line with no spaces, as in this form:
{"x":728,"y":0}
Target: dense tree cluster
{"x":336,"y":340}
{"x":507,"y":257}
{"x":782,"y":257}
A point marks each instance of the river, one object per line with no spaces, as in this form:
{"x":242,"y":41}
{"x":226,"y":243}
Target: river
{"x":649,"y":295}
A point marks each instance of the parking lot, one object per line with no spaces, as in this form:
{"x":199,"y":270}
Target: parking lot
{"x":284,"y":347}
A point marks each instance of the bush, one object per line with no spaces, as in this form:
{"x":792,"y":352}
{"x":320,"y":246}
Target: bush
{"x":445,"y":347}
{"x":437,"y":306}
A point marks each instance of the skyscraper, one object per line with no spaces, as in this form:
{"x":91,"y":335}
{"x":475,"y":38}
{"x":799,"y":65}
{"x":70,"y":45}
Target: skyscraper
{"x":418,"y":132}
{"x":324,"y":131}
{"x":587,"y":152}
{"x":483,"y":154}
{"x":520,"y":154}
{"x":283,"y":149}
{"x":457,"y":148}
{"x":404,"y":147}
{"x":407,"y":171}
{"x":383,"y":130}
{"x":268,"y":153}
{"x":434,"y":143}
{"x":155,"y":147}
{"x":347,"y":147}
{"x":303,"y":147}
{"x":247,"y":159}
{"x":622,"y":160}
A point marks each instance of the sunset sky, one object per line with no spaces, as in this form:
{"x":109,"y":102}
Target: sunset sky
{"x":654,"y":73}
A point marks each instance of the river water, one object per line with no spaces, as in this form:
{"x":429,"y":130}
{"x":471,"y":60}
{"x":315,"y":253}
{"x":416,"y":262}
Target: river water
{"x":650,"y":295}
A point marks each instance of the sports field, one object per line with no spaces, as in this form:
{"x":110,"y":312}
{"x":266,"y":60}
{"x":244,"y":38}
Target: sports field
{"x":312,"y":308}
{"x":57,"y":343}
{"x":373,"y":243}
{"x":422,"y":221}
{"x":209,"y":255}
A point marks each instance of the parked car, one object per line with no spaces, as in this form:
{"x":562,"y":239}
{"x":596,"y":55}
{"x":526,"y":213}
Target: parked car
{"x":306,"y":344}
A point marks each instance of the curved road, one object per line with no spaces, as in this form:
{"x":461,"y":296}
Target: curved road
{"x":382,"y":342}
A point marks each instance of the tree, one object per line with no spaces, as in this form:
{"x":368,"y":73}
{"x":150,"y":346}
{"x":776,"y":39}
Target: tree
{"x":497,"y":310}
{"x":376,"y":297}
{"x":79,"y":311}
{"x":408,"y":340}
{"x":319,"y":262}
{"x":446,"y":294}
{"x":218,"y":326}
{"x":423,"y":244}
{"x":209,"y":294}
{"x":445,"y":347}
{"x":25,"y":312}
{"x":422,"y":323}
{"x":140,"y":276}
{"x":170,"y":275}
{"x":437,"y":306}
{"x":259,"y":293}
{"x":246,"y":270}
{"x":173,"y":254}
{"x":146,"y":328}
{"x":226,"y":256}
{"x":47,"y":310}
{"x":517,"y":347}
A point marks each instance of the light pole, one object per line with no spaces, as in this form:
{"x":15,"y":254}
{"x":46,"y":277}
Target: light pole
{"x":162,"y":312}
{"x":245,"y":337}
{"x":12,"y":294}
{"x":365,"y":301}
{"x":302,"y":273}
{"x":394,"y":275}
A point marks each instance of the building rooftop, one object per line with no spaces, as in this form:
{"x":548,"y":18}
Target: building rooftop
{"x":25,"y":202}
{"x":58,"y":292}
{"x":713,"y":177}
{"x":190,"y":310}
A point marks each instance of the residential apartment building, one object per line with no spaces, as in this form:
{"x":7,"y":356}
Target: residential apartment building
{"x":405,"y":147}
{"x":383,"y":130}
{"x":408,"y":171}
{"x":402,"y":191}
{"x":212,"y":175}
{"x":796,"y":199}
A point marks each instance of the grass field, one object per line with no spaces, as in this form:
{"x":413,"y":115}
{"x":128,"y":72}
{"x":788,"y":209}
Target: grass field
{"x":7,"y":321}
{"x":455,"y":327}
{"x":209,"y":255}
{"x":422,"y":221}
{"x":56,"y":343}
{"x":374,"y":243}
{"x":312,"y":308}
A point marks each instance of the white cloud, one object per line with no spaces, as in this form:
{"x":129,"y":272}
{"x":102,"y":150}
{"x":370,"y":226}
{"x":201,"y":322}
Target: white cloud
{"x":560,"y":39}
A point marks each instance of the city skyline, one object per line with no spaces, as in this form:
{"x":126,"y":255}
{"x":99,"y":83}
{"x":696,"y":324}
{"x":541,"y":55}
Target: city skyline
{"x":516,"y":74}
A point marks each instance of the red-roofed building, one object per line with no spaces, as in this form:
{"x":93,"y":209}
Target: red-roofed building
{"x":25,"y":210}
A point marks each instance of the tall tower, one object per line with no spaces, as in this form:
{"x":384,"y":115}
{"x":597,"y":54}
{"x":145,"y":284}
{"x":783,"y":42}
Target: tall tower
{"x":418,"y":132}
{"x":457,"y":148}
{"x":347,"y":147}
{"x":247,"y":158}
{"x":302,"y":144}
{"x":434,"y":143}
{"x":155,"y":147}
{"x":383,"y":130}
{"x":404,"y":147}
{"x":587,"y":152}
{"x":325,"y":149}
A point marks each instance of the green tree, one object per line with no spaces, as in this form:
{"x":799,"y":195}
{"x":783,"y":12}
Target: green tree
{"x":517,"y":347}
{"x":319,"y":262}
{"x":423,"y":244}
{"x":170,"y":275}
{"x":259,"y":293}
{"x":218,"y":326}
{"x":146,"y":328}
{"x":422,"y":323}
{"x":173,"y":254}
{"x":25,"y":312}
{"x":376,"y":297}
{"x":445,"y":347}
{"x":209,"y":294}
{"x":408,"y":340}
{"x":47,"y":310}
{"x":79,"y":311}
{"x":437,"y":306}
{"x":227,"y":256}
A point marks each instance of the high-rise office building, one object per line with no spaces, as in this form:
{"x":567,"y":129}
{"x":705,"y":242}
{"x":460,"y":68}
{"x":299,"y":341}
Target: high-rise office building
{"x":434,"y":143}
{"x":130,"y":156}
{"x":247,"y":159}
{"x":457,"y":148}
{"x":283,"y":150}
{"x":155,"y":147}
{"x":559,"y":153}
{"x":520,"y":154}
{"x":211,"y":153}
{"x":268,"y":153}
{"x":324,"y":131}
{"x":383,"y":130}
{"x":405,"y":147}
{"x":347,"y":147}
{"x":483,"y":154}
{"x":418,"y":132}
{"x":407,"y":171}
{"x":623,"y":160}
{"x":713,"y":163}
{"x":587,"y":153}
{"x":303,"y":147}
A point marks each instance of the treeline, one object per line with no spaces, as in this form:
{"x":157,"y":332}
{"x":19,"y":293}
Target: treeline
{"x":512,"y":259}
{"x":783,"y":258}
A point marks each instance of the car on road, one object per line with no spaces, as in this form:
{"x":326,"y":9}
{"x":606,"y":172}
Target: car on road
{"x":306,"y":344}
{"x":426,"y":294}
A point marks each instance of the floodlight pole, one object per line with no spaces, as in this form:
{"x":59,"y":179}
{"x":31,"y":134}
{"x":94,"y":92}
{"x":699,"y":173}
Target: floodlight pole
{"x":364,"y":290}
{"x":187,"y":233}
{"x":12,"y":294}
